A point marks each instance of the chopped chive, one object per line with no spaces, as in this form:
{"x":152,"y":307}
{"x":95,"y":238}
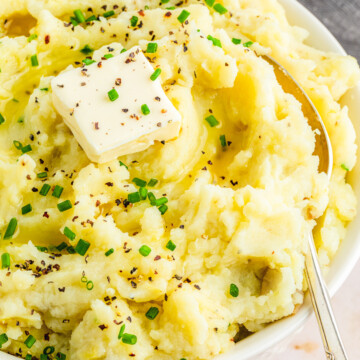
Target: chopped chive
{"x":122,"y":50}
{"x":210,"y":2}
{"x":70,"y":250}
{"x":34,"y":60}
{"x":45,"y":189}
{"x":122,"y":164}
{"x":139,"y":182}
{"x":134,"y":21}
{"x":10,"y":230}
{"x":60,"y":356}
{"x":236,"y":41}
{"x":215,"y":41}
{"x":5,"y":260}
{"x":30,"y":341}
{"x":155,"y":74}
{"x":69,"y":234}
{"x":3,"y":339}
{"x":79,"y":16}
{"x":170,"y":245}
{"x":151,"y":48}
{"x":26,"y":149}
{"x":145,"y":109}
{"x":88,"y":61}
{"x":343,"y":166}
{"x":26,"y":209}
{"x":163,"y":209}
{"x":44,"y":89}
{"x":91,"y":18}
{"x":109,"y":252}
{"x":109,"y":13}
{"x":57,"y":191}
{"x":171,"y":8}
{"x":143,"y":193}
{"x":134,"y":197}
{"x":89,"y":285}
{"x":223,"y":141}
{"x":152,"y":182}
{"x":32,"y":37}
{"x":147,"y":7}
{"x":62,"y":246}
{"x":234,"y":290}
{"x":2,"y":119}
{"x":21,"y":119}
{"x":152,"y":198}
{"x":84,"y":279}
{"x":74,"y":21}
{"x":108,"y":56}
{"x":164,"y":1}
{"x":82,"y":247}
{"x":220,"y":9}
{"x":183,"y":16}
{"x":144,"y":250}
{"x":44,"y":357}
{"x":87,"y":50}
{"x":65,"y":205}
{"x":247,"y":44}
{"x":129,"y":339}
{"x":121,"y":332}
{"x":211,"y":119}
{"x":49,"y":350}
{"x":28,"y":357}
{"x":42,"y":248}
{"x":42,"y":175}
{"x":152,"y":313}
{"x":113,"y":95}
{"x":17,"y":144}
{"x":160,"y":201}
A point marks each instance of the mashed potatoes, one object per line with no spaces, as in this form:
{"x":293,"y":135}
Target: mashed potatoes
{"x":238,"y":215}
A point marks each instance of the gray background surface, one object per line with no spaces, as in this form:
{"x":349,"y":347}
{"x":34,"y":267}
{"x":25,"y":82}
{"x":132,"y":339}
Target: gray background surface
{"x":342,"y":18}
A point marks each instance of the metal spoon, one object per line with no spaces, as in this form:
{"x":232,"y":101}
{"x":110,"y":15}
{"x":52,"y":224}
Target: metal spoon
{"x":320,"y":298}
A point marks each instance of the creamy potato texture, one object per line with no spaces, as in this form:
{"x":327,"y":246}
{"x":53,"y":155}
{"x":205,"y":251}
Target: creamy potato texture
{"x":238,"y":214}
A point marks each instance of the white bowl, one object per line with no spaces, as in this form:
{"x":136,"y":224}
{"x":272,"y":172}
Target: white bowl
{"x":349,"y":251}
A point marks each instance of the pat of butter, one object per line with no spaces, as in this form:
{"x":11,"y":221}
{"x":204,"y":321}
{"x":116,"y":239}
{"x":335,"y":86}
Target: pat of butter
{"x":107,"y":129}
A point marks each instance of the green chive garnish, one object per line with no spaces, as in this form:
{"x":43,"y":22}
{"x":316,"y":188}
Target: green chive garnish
{"x":10,"y":230}
{"x":108,"y":56}
{"x":3,"y":339}
{"x":44,"y":89}
{"x":151,"y":48}
{"x":343,"y":166}
{"x":163,"y":209}
{"x":91,"y":18}
{"x":121,"y":332}
{"x":62,"y":246}
{"x":2,"y":119}
{"x":45,"y":189}
{"x":210,"y":2}
{"x":234,"y":290}
{"x":152,"y":182}
{"x":30,"y":341}
{"x":57,"y":191}
{"x":49,"y":350}
{"x":171,"y":8}
{"x":42,"y":175}
{"x":223,"y":141}
{"x":211,"y":119}
{"x":122,"y":164}
{"x":42,"y":248}
{"x":129,"y":339}
{"x":74,"y":21}
{"x":215,"y":41}
{"x":5,"y":260}
{"x":139,"y":182}
{"x":170,"y":245}
{"x":82,"y":247}
{"x":183,"y":16}
{"x":152,"y":313}
{"x":65,"y":205}
{"x":70,"y":250}
{"x":152,"y":198}
{"x":79,"y":16}
{"x":155,"y":74}
{"x":109,"y":13}
{"x":34,"y":60}
{"x":113,"y":95}
{"x":220,"y":9}
{"x":26,"y":209}
{"x":145,"y":250}
{"x":60,"y":356}
{"x":236,"y":41}
{"x":28,"y":357}
{"x":109,"y":252}
{"x":21,"y":119}
{"x":123,"y":50}
{"x":133,"y":21}
{"x":134,"y":197}
{"x":143,"y":193}
{"x":159,"y":202}
{"x":89,"y":285}
{"x":26,"y":149}
{"x":247,"y":44}
{"x":88,"y":61}
{"x":32,"y":37}
{"x":164,"y":1}
{"x":69,"y":234}
{"x":145,"y":109}
{"x":17,"y":144}
{"x":87,"y":50}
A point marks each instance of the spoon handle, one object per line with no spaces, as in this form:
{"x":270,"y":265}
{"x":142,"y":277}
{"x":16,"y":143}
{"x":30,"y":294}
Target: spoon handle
{"x":320,"y":299}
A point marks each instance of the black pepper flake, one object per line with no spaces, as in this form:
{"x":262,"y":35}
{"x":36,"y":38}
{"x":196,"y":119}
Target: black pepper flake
{"x":118,"y":81}
{"x":168,"y":14}
{"x":103,"y":327}
{"x":47,"y":39}
{"x":129,"y":319}
{"x":62,"y":289}
{"x":32,"y":137}
{"x":102,"y":30}
{"x":133,"y":270}
{"x":125,"y":110}
{"x":157,"y":98}
{"x":158,"y":124}
{"x":34,"y":189}
{"x":109,"y":183}
{"x":46,"y":337}
{"x":96,"y":126}
{"x":185,"y":48}
{"x":46,"y":215}
{"x":157,"y":257}
{"x":99,"y":64}
{"x":197,"y":287}
{"x":117,"y":202}
{"x":83,"y":84}
{"x":60,"y":85}
{"x":233,"y":183}
{"x":182,"y":226}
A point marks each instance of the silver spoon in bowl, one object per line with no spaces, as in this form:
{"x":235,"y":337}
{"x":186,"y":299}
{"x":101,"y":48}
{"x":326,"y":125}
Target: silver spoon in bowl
{"x":320,"y":298}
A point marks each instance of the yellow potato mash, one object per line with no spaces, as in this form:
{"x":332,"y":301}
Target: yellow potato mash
{"x":181,"y":250}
